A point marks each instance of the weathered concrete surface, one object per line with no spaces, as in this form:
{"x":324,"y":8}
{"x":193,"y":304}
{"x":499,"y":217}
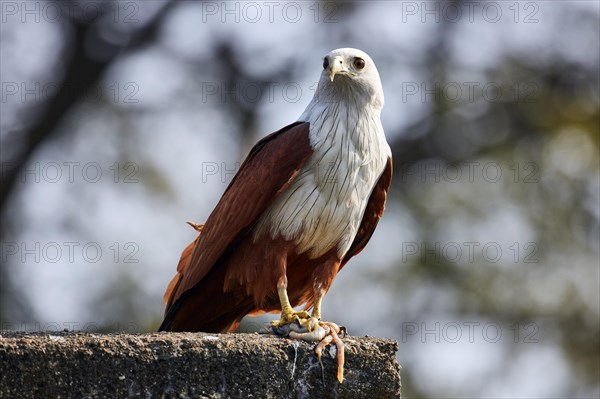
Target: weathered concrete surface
{"x":186,"y":365}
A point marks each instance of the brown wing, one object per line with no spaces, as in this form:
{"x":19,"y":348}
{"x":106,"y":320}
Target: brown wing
{"x":183,"y":261}
{"x":373,"y":213}
{"x":269,"y":169}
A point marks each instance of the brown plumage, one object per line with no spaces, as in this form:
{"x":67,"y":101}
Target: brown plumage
{"x":236,"y":265}
{"x":227,"y":274}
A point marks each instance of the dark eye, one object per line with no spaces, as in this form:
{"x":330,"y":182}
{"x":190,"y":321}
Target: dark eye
{"x":359,"y":63}
{"x":325,"y":63}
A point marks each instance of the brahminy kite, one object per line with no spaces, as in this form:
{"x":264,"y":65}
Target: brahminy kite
{"x":305,"y":200}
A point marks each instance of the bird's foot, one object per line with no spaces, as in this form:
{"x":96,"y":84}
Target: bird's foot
{"x":323,"y":332}
{"x":300,"y":318}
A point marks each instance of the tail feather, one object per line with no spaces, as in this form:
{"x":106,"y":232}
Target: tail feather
{"x":207,"y":308}
{"x":183,"y":261}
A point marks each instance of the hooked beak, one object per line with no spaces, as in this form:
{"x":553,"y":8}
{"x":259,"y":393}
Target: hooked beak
{"x":337,"y":66}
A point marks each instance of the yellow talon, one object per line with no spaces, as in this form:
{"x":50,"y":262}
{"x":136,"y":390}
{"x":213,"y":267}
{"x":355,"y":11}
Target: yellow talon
{"x":289,"y":316}
{"x":300,"y":325}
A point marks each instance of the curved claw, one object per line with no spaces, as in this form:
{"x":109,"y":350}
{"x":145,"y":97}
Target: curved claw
{"x":312,"y":330}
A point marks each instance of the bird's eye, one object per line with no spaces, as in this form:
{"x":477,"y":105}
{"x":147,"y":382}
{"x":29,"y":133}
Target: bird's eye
{"x":325,"y":63}
{"x":359,"y":63}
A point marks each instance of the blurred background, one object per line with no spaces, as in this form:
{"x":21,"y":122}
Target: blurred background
{"x":122,"y":120}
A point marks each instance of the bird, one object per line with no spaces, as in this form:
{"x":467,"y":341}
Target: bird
{"x":306,"y":199}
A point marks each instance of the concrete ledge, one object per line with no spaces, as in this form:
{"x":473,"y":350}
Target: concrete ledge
{"x":195,"y":365}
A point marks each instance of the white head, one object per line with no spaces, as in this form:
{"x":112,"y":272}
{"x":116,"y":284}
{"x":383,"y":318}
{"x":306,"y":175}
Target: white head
{"x":350,"y":74}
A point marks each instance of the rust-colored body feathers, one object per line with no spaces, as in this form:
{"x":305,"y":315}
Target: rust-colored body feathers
{"x":224,"y":275}
{"x":306,"y":199}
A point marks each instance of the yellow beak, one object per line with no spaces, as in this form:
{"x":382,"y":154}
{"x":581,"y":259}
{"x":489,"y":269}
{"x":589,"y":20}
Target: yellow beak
{"x":337,"y":66}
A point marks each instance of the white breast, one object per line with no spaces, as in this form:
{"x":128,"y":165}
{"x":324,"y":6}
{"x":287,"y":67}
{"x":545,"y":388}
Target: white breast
{"x":324,"y":206}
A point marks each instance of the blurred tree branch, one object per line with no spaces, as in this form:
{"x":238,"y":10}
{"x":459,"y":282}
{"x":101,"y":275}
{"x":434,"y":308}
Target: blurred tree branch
{"x":234,"y":76}
{"x":81,"y":73}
